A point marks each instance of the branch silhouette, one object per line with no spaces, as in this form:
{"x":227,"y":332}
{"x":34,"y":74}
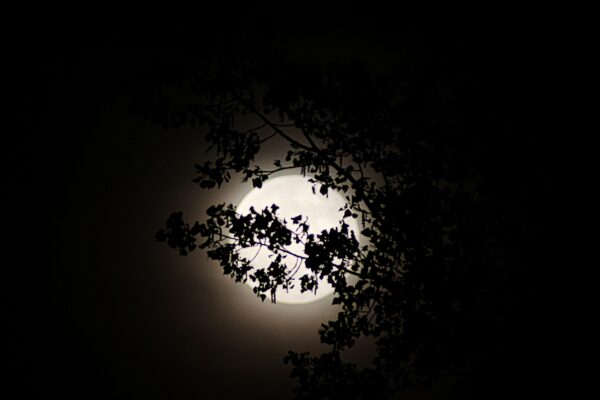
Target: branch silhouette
{"x":431,"y":270}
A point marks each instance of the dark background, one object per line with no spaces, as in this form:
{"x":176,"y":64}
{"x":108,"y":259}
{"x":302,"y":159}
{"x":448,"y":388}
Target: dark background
{"x":98,"y":309}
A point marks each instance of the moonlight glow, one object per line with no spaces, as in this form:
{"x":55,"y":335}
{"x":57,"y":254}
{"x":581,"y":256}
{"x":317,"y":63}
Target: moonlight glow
{"x":294,"y":195}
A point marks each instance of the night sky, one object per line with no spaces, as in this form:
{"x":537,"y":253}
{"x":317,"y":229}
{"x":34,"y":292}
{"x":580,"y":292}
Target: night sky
{"x":98,"y":308}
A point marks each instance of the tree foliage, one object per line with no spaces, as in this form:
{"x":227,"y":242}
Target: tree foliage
{"x":428,"y":278}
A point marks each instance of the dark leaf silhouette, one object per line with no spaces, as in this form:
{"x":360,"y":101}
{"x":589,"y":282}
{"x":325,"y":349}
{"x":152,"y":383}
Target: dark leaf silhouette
{"x":429,"y":280}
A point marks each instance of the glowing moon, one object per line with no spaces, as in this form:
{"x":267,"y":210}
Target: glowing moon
{"x":294,"y":196}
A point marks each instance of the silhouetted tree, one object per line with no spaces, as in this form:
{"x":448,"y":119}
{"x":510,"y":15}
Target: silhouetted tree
{"x":430,"y":283}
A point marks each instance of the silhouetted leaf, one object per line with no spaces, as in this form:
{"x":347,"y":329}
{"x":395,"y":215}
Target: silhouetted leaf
{"x":431,"y":279}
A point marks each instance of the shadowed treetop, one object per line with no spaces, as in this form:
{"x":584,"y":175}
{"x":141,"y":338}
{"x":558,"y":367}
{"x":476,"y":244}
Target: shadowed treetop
{"x":433,"y":279}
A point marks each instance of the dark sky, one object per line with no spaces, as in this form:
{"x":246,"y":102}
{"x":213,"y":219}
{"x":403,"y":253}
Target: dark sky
{"x":101,"y":310}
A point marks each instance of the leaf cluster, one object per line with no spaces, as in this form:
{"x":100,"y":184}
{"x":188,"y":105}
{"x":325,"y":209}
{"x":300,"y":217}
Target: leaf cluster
{"x":426,"y":278}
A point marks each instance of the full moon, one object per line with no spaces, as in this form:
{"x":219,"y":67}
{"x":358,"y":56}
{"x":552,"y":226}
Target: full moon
{"x":294,"y":196}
